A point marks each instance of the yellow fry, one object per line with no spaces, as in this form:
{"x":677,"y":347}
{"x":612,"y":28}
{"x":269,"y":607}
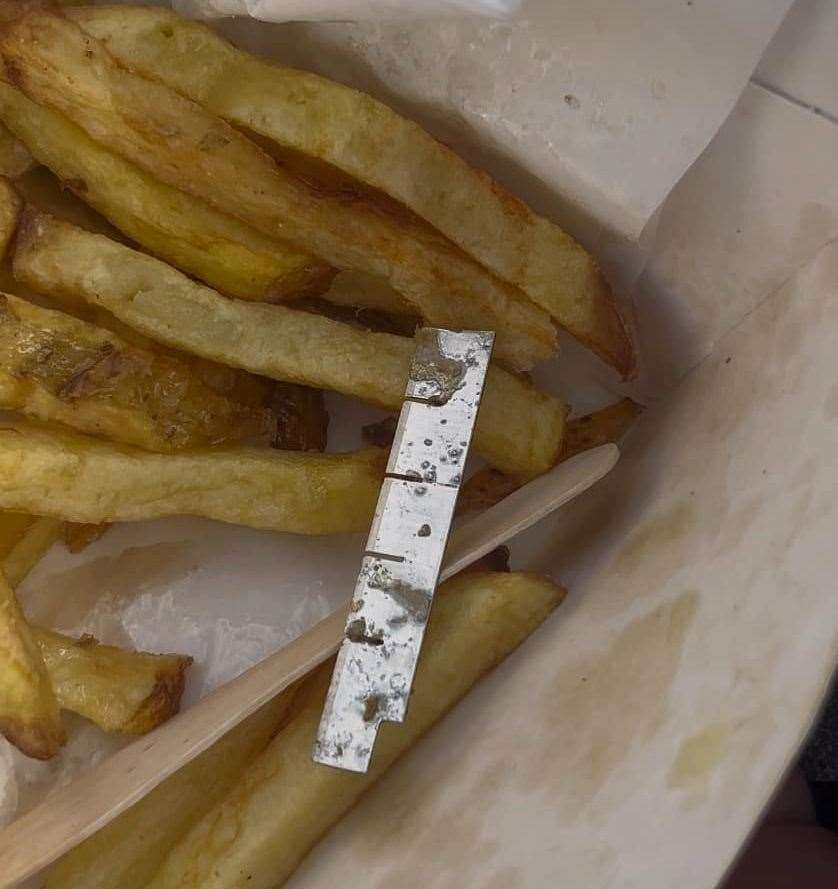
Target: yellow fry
{"x":77,"y":536}
{"x":56,"y":368}
{"x":519,"y":429}
{"x":284,"y":802}
{"x":22,"y":552}
{"x":56,"y":64}
{"x":15,"y":159}
{"x":185,"y":231}
{"x":121,"y":691}
{"x":370,"y":142}
{"x":29,"y":714}
{"x":608,"y":424}
{"x":42,"y":189}
{"x":10,"y":207}
{"x":488,"y":486}
{"x":302,"y":423}
{"x":80,"y":479}
{"x":129,"y":850}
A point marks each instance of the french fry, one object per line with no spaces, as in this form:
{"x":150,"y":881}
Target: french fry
{"x":20,"y":552}
{"x":56,"y":64}
{"x":10,"y":207}
{"x":57,"y":368}
{"x":13,"y":526}
{"x":355,"y":290}
{"x":519,"y":429}
{"x":29,"y":714}
{"x":127,"y":692}
{"x":302,"y":423}
{"x":78,"y":537}
{"x":370,"y":142}
{"x":15,"y":159}
{"x":362,"y":318}
{"x":129,"y":850}
{"x":42,"y":189}
{"x":592,"y":430}
{"x":488,"y":486}
{"x":218,"y":249}
{"x":121,"y":691}
{"x":284,"y":802}
{"x":72,"y":477}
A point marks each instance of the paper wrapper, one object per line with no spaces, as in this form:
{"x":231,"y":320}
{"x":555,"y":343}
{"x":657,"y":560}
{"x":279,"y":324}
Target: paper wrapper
{"x":343,"y":10}
{"x":639,"y":729}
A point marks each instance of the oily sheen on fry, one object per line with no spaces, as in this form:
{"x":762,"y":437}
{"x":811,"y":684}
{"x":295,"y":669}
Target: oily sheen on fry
{"x":70,"y":476}
{"x":56,"y":64}
{"x":365,"y":139}
{"x":519,"y":428}
{"x":183,"y":230}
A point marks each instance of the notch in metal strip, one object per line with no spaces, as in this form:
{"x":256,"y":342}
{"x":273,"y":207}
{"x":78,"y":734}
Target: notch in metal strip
{"x":389,"y":611}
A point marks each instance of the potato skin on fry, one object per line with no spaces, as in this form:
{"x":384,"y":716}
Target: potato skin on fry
{"x":55,"y":63}
{"x":284,"y":802}
{"x":29,"y":714}
{"x":488,"y":486}
{"x":76,"y":478}
{"x":10,"y":207}
{"x":127,"y":852}
{"x":57,"y":368}
{"x":369,"y":141}
{"x":519,"y":429}
{"x":15,"y":159}
{"x":121,"y":691}
{"x":20,"y":556}
{"x":181,"y":229}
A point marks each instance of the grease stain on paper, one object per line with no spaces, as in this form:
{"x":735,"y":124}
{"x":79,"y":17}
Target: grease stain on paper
{"x":605,"y":705}
{"x":697,"y":759}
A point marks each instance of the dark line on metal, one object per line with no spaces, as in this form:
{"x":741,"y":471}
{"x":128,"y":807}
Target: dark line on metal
{"x":384,"y":557}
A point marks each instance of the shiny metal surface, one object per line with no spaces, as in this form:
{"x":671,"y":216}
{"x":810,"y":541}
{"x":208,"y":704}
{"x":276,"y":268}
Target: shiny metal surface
{"x":390,"y":607}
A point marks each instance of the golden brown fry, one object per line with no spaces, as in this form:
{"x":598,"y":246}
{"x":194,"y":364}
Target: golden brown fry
{"x":592,"y":430}
{"x":364,"y":319}
{"x":10,"y":207}
{"x":187,"y":232}
{"x":78,"y":536}
{"x":13,"y":526}
{"x":484,"y":489}
{"x":29,"y":715}
{"x":15,"y":159}
{"x":285,"y":802}
{"x":80,"y":479}
{"x":42,"y":189}
{"x":519,"y":429}
{"x":121,"y":691}
{"x":24,"y":539}
{"x":128,"y":692}
{"x":302,"y":423}
{"x":488,"y":486}
{"x":381,"y":433}
{"x":368,"y":294}
{"x":57,"y":368}
{"x":21,"y":552}
{"x":56,"y":64}
{"x":129,"y":850}
{"x":370,"y":142}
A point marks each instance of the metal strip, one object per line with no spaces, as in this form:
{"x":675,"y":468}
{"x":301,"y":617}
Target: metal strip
{"x":390,"y":607}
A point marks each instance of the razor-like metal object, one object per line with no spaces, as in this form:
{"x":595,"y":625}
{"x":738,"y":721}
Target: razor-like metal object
{"x":389,"y":612}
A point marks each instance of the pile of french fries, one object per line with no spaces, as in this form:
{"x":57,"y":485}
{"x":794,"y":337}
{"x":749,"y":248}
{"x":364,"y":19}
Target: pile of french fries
{"x":195,"y":244}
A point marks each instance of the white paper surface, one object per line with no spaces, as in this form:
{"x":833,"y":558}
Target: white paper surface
{"x":593,"y":106}
{"x":343,"y":10}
